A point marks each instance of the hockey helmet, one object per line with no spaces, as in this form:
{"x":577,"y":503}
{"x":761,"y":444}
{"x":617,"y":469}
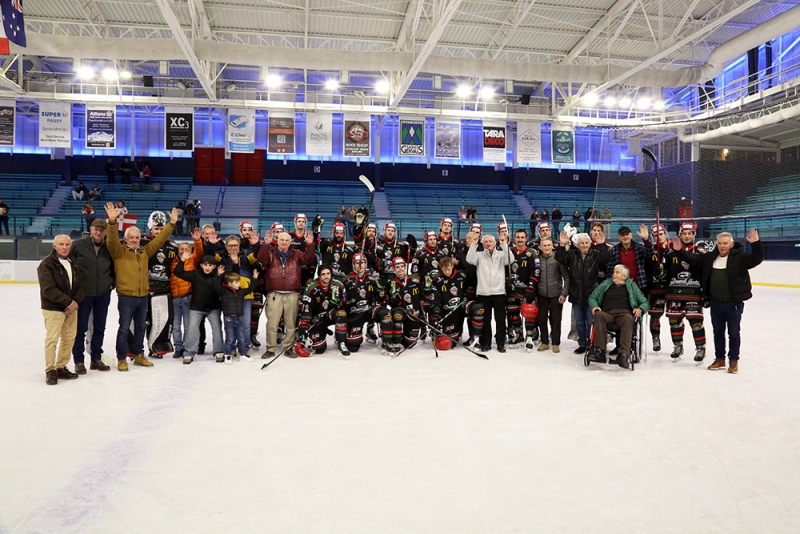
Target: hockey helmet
{"x":570,"y":230}
{"x":688,"y":225}
{"x":359,"y":257}
{"x":656,"y":228}
{"x":446,"y":220}
{"x":301,"y":350}
{"x":338,"y":226}
{"x":372,"y":226}
{"x":157,"y":218}
{"x":276,"y":227}
{"x":389,"y":225}
{"x":429,"y":233}
{"x":529,"y":311}
{"x":245,"y":225}
{"x":545,"y":224}
{"x":300,"y":216}
{"x":502,"y":226}
{"x":476,"y":225}
{"x":443,"y":343}
{"x":397,"y":260}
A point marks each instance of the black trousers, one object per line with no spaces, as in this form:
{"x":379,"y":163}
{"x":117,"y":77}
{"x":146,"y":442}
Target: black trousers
{"x":493,"y":305}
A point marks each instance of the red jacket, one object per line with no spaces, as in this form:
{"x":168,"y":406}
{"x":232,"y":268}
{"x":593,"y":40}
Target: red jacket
{"x":278,"y":277}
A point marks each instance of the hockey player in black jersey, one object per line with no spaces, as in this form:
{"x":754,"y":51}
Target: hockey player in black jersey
{"x":361,"y":303}
{"x":449,"y":293}
{"x":426,"y":265}
{"x":520,"y":288}
{"x":159,"y":310}
{"x":320,"y":309}
{"x":657,"y":281}
{"x":403,"y":299}
{"x":387,"y":249}
{"x":299,"y":243}
{"x":445,"y":240}
{"x":336,"y":253}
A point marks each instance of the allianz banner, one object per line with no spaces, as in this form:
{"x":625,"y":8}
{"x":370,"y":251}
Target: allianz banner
{"x":101,"y":127}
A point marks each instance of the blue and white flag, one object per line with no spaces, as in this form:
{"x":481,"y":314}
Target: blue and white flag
{"x":13,"y":27}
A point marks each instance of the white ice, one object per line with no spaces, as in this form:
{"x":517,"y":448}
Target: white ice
{"x":524,"y":442}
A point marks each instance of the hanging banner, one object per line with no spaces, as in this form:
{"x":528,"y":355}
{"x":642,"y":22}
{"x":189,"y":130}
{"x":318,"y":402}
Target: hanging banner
{"x":101,"y":127}
{"x":241,"y":130}
{"x":411,"y":138}
{"x":179,"y":129}
{"x":494,"y":143}
{"x":280,"y":134}
{"x":447,"y":140}
{"x":356,"y":137}
{"x":529,"y":142}
{"x":563,"y":142}
{"x":319,"y":134}
{"x":8,"y":113}
{"x":55,"y":125}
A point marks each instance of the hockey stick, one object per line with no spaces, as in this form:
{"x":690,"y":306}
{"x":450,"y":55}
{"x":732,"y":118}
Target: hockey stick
{"x":647,"y":152}
{"x":420,"y":334}
{"x":302,"y":338}
{"x":366,"y":182}
{"x":429,"y":325}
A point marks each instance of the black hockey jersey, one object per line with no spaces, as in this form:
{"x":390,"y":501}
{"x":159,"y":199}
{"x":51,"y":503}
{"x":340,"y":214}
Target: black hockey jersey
{"x":683,"y":279}
{"x":447,"y":245}
{"x":405,"y":293}
{"x":339,"y":255}
{"x":426,"y":265}
{"x":159,"y":266}
{"x":524,"y":273}
{"x":318,"y":301}
{"x":449,"y":291}
{"x":361,"y":294}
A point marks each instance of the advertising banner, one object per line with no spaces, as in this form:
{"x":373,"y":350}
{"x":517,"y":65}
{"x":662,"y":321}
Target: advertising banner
{"x":529,"y":142}
{"x":280,"y":134}
{"x":55,"y":125}
{"x":356,"y":139}
{"x":447,"y":140}
{"x":241,"y":131}
{"x":319,"y":134}
{"x":563,"y":142}
{"x":494,"y":142}
{"x":179,"y":129}
{"x":8,"y":114}
{"x":101,"y":127}
{"x":412,"y":137}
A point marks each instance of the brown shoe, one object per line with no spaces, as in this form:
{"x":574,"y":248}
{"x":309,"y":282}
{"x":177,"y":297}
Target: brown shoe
{"x":556,"y":349}
{"x":51,"y":378}
{"x":142,"y":361}
{"x":66,"y":374}
{"x":122,"y":365}
{"x":80,"y":368}
{"x":543,"y":347}
{"x":717,"y":365}
{"x":98,"y":366}
{"x":733,"y":368}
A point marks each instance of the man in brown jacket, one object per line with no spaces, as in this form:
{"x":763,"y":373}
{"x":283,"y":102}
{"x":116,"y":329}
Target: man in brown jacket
{"x":282,"y":277}
{"x":61,"y":288}
{"x":131,"y":267}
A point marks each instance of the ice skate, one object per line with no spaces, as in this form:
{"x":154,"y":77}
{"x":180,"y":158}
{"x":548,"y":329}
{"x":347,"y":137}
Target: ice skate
{"x":699,"y":354}
{"x":656,"y":344}
{"x":677,"y":352}
{"x":343,"y":352}
{"x":370,"y":334}
{"x":529,"y":344}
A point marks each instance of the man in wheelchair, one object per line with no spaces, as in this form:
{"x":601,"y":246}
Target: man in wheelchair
{"x":619,"y":301}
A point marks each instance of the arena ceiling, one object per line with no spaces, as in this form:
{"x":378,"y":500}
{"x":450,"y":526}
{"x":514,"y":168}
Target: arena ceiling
{"x":217,"y":53}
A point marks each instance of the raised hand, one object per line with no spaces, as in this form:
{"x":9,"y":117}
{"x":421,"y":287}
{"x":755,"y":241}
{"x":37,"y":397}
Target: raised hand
{"x":255,"y":238}
{"x":185,"y":256}
{"x":214,"y":239}
{"x":173,"y":216}
{"x":643,"y":232}
{"x":196,"y":234}
{"x":563,"y":238}
{"x":676,"y":243}
{"x":601,"y":238}
{"x":111,"y":211}
{"x":220,"y":269}
{"x":255,"y":274}
{"x":753,"y":236}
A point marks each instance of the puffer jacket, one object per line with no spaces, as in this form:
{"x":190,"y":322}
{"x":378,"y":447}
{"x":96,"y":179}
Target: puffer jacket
{"x":132,"y":266}
{"x":97,"y":267}
{"x":583,"y":271}
{"x":280,"y":277}
{"x":553,"y":277}
{"x":204,"y":287}
{"x":54,"y":287}
{"x":739,"y":262}
{"x":232,"y":299}
{"x":178,"y":286}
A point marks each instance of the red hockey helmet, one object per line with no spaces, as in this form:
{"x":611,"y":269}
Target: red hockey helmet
{"x":688,"y":225}
{"x":372,"y":226}
{"x":429,"y":233}
{"x":658,"y":228}
{"x":443,"y":343}
{"x":300,"y":216}
{"x":245,"y":224}
{"x":544,"y":224}
{"x":476,"y":225}
{"x":359,"y":257}
{"x":446,"y":220}
{"x":338,"y":226}
{"x":389,"y":225}
{"x":301,"y":350}
{"x":276,"y":227}
{"x":398,"y":260}
{"x":529,"y":311}
{"x":502,"y":226}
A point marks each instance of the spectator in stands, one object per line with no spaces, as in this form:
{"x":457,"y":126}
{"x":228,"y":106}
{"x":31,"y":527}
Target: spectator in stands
{"x":4,"y":217}
{"x":462,"y":213}
{"x":179,"y":226}
{"x":595,"y":213}
{"x":110,"y":170}
{"x":606,"y":216}
{"x":545,"y":216}
{"x":576,"y":215}
{"x":139,"y":166}
{"x":472,"y":213}
{"x":363,"y":210}
{"x":80,"y":192}
{"x":121,"y":207}
{"x":189,"y":214}
{"x":88,"y":214}
{"x":146,"y":174}
{"x":587,"y":216}
{"x":534,"y":222}
{"x":556,"y":216}
{"x":95,"y":193}
{"x":198,"y":209}
{"x":61,"y":289}
{"x":126,"y":169}
{"x":351,"y":214}
{"x":91,"y":255}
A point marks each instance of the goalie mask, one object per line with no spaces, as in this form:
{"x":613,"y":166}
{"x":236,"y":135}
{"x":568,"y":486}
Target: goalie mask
{"x":157,"y":218}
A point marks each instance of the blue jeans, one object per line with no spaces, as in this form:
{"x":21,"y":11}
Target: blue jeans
{"x":131,"y":309}
{"x":237,"y":333}
{"x":726,"y":314}
{"x":98,"y":305}
{"x":193,"y":331}
{"x":180,"y":319}
{"x":583,"y":323}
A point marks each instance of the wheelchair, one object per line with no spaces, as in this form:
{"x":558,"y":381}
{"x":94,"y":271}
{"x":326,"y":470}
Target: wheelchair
{"x":614,"y":331}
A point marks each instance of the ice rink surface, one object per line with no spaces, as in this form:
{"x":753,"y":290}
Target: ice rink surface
{"x":524,"y":442}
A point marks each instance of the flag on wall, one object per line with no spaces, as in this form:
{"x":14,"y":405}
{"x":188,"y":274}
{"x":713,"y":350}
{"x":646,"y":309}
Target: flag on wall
{"x":13,"y":27}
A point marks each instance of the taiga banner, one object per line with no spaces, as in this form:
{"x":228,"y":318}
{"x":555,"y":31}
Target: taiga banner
{"x":447,"y":140}
{"x":8,"y":114}
{"x":412,"y":138}
{"x":529,"y":142}
{"x":280,"y":134}
{"x":241,"y":131}
{"x":494,"y":142}
{"x":357,"y":137}
{"x":319,"y":134}
{"x":563,"y":142}
{"x":179,"y":129}
{"x":55,"y":125}
{"x":101,"y":127}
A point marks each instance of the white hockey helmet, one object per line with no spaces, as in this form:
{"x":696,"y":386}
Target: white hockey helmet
{"x":157,"y":218}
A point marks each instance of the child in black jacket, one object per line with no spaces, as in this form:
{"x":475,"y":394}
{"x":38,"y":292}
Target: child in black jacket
{"x":237,"y":326}
{"x":205,"y":305}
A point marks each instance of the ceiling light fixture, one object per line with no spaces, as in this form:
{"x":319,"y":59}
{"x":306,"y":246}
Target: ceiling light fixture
{"x":360,"y":94}
{"x":643,"y":103}
{"x":463,"y":91}
{"x":110,"y":75}
{"x":125,"y":75}
{"x":180,"y":85}
{"x":273,"y":81}
{"x":231,"y":87}
{"x":610,"y":101}
{"x":331,"y":85}
{"x":51,"y":81}
{"x":590,"y":99}
{"x":658,"y":105}
{"x":487,"y":93}
{"x":85,"y":73}
{"x":382,"y":87}
{"x":625,"y":102}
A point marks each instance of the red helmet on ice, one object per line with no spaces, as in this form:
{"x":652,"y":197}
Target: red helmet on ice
{"x":389,"y":225}
{"x":301,"y":350}
{"x":446,"y":220}
{"x":476,"y":225}
{"x":502,"y":226}
{"x":359,"y":257}
{"x":656,"y":228}
{"x":543,"y":224}
{"x":300,"y":216}
{"x":372,"y":226}
{"x":443,"y":343}
{"x":397,"y":261}
{"x":429,"y":233}
{"x":529,"y":311}
{"x":338,"y":226}
{"x":688,"y":225}
{"x":276,"y":227}
{"x":245,"y":225}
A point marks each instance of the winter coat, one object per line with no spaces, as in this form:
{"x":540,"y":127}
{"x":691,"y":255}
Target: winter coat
{"x":132,"y":265}
{"x":54,"y":287}
{"x":739,"y":263}
{"x":635,"y":295}
{"x":553,"y":277}
{"x":204,"y":287}
{"x":490,"y":269}
{"x":642,"y":252}
{"x":279,"y":277}
{"x":95,"y":264}
{"x":232,"y":299}
{"x":582,"y":271}
{"x":177,"y":285}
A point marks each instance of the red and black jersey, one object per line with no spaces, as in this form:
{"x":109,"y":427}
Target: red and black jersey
{"x":656,"y":267}
{"x":318,"y":300}
{"x":159,"y":266}
{"x":361,"y":293}
{"x":447,"y":244}
{"x":524,"y":272}
{"x":386,"y":251}
{"x":449,"y":291}
{"x":338,"y":255}
{"x":427,"y":264}
{"x":405,"y":293}
{"x":683,"y":279}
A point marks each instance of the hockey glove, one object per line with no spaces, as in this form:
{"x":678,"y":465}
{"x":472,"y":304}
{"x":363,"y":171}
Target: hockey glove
{"x":359,"y":218}
{"x":316,"y":224}
{"x":412,"y":241}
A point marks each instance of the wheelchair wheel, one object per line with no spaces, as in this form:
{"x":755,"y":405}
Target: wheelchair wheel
{"x":636,"y":345}
{"x":586,"y":358}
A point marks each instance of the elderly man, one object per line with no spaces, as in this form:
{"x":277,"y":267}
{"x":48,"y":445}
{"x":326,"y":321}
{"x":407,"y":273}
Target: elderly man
{"x":617,"y":300}
{"x":282,"y":277}
{"x":551,"y":293}
{"x":490,"y":266}
{"x":584,"y":263}
{"x":61,"y":289}
{"x":133,"y":287}
{"x":91,"y":255}
{"x":726,"y":284}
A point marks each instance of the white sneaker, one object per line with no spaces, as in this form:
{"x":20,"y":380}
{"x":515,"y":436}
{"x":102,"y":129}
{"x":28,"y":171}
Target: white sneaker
{"x":228,"y":359}
{"x":245,"y":358}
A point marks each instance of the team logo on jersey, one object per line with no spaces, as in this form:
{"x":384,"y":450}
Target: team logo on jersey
{"x":325,"y":305}
{"x":685,"y":265}
{"x":407,"y":297}
{"x":362,"y":293}
{"x":445,"y":251}
{"x":514,"y":267}
{"x":335,"y":293}
{"x":161,"y":257}
{"x":435,"y":264}
{"x":336,"y":256}
{"x":454,"y":290}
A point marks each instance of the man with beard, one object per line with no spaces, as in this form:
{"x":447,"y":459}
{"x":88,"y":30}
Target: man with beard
{"x":336,"y":253}
{"x":445,"y":241}
{"x":361,"y":296}
{"x":321,"y":309}
{"x":426,"y":265}
{"x":399,"y":327}
{"x":299,"y":243}
{"x":520,"y":288}
{"x":657,"y":282}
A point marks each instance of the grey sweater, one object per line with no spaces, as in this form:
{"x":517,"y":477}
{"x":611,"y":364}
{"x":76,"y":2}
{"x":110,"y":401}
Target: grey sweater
{"x":490,"y":269}
{"x":553,"y":277}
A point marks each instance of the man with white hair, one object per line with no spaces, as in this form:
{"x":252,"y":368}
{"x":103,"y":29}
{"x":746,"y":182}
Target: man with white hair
{"x":490,"y":266}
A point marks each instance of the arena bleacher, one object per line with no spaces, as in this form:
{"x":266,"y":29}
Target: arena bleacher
{"x":781,"y":195}
{"x":25,"y":194}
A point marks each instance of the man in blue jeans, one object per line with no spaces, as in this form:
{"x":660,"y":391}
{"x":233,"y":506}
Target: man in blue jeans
{"x":726,"y":284}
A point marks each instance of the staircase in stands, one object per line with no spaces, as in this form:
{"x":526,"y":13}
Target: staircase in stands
{"x":241,"y":202}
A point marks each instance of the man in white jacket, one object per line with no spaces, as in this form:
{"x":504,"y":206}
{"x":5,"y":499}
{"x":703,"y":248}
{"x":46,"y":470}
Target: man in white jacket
{"x":490,"y":265}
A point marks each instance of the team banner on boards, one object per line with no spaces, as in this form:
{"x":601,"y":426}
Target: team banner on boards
{"x":494,"y":142}
{"x":319,"y":134}
{"x":356,"y":143}
{"x":529,"y":142}
{"x":101,"y":127}
{"x":447,"y":139}
{"x":563,"y":141}
{"x":412,"y":137}
{"x":241,"y":131}
{"x":8,"y":113}
{"x":179,"y":129}
{"x":280,"y":134}
{"x":55,"y":125}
